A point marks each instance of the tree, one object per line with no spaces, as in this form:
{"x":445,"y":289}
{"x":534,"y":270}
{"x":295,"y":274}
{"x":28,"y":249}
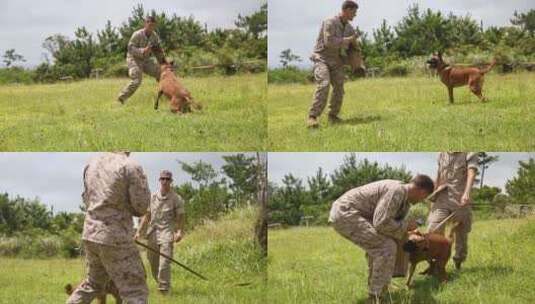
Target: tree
{"x":521,"y":188}
{"x":261,"y":230}
{"x":286,"y":57}
{"x":484,"y":162}
{"x":255,"y":24}
{"x":201,"y":172}
{"x":526,"y":21}
{"x":353,"y":174}
{"x":10,"y":57}
{"x":319,"y":187}
{"x":242,"y":172}
{"x":285,"y":203}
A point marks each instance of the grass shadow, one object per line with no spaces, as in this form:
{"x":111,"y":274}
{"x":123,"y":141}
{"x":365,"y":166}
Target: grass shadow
{"x":360,"y":120}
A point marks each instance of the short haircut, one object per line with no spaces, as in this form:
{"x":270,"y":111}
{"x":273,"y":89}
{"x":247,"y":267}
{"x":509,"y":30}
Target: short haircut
{"x":150,"y":19}
{"x":424,"y":182}
{"x":348,"y":4}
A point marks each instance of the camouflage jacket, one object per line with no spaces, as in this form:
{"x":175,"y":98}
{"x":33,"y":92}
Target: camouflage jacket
{"x":115,"y":190}
{"x":453,"y":173}
{"x":384,"y":203}
{"x":138,"y":42}
{"x":164,"y":212}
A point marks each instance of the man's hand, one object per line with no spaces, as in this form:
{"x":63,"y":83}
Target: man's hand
{"x":178,"y":236}
{"x":137,"y":236}
{"x":147,"y":50}
{"x":465,"y":200}
{"x":348,"y":40}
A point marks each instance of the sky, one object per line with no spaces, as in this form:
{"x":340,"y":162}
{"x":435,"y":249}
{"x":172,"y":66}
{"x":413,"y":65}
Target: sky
{"x":304,"y":165}
{"x":295,"y":24}
{"x":25,"y":24}
{"x":56,"y":178}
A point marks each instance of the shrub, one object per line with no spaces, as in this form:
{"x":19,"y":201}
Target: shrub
{"x":397,"y":69}
{"x":289,"y":75}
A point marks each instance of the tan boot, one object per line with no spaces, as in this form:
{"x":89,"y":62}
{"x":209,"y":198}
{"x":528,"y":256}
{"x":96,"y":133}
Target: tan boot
{"x":312,"y":122}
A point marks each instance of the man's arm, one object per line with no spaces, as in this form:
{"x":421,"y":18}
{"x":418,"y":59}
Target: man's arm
{"x":134,"y":50}
{"x":143,"y":225}
{"x":384,"y":216}
{"x":330,"y":38}
{"x":472,"y":160}
{"x":138,"y":190}
{"x":180,"y":218}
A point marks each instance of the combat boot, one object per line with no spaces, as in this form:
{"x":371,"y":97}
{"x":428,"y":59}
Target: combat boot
{"x":312,"y":122}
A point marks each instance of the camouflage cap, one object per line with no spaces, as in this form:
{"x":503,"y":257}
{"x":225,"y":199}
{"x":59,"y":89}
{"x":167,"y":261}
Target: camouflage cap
{"x":166,"y":174}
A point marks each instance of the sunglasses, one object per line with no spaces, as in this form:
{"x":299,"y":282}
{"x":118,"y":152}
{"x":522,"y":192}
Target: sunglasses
{"x":165,"y":178}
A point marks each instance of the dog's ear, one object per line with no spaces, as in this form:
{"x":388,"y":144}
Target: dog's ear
{"x":440,"y":55}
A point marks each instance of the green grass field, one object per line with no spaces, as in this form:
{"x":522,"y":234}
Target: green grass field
{"x":316,"y":265}
{"x":223,"y":251}
{"x":409,"y":114}
{"x":85,"y":116}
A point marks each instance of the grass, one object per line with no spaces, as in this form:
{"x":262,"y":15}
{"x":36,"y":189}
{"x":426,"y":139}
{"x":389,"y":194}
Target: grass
{"x":223,"y":251}
{"x":84,"y":116}
{"x":316,"y":265}
{"x":409,"y":114}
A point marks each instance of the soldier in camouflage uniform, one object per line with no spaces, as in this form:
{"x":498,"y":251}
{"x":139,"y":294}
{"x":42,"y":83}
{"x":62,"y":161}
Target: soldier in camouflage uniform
{"x":372,"y":216}
{"x":332,"y":40}
{"x":143,"y":43}
{"x":456,"y":174}
{"x":115,"y":190}
{"x":165,"y":218}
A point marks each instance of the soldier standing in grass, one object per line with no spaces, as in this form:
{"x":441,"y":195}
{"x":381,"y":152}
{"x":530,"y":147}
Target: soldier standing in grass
{"x":373,"y":217}
{"x":329,"y":63}
{"x":165,"y":219}
{"x":456,"y":175}
{"x":144,"y":43}
{"x":115,"y":190}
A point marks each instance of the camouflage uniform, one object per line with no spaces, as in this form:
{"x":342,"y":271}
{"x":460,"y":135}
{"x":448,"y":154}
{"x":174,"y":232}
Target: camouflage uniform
{"x":453,"y":172}
{"x":164,"y":213}
{"x":372,"y":217}
{"x":329,"y":65}
{"x":138,"y":63}
{"x":115,"y":190}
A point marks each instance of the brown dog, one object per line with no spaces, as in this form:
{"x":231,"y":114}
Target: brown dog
{"x":458,"y":76}
{"x":101,"y":299}
{"x":431,"y":247}
{"x":170,"y":86}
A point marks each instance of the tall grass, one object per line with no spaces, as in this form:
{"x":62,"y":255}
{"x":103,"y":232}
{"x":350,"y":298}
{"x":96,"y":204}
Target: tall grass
{"x":85,"y":116}
{"x":224,"y":251}
{"x":316,"y":265}
{"x":408,"y":114}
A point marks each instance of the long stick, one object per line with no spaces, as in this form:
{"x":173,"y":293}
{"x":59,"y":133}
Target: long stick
{"x":172,"y":260}
{"x":443,"y":222}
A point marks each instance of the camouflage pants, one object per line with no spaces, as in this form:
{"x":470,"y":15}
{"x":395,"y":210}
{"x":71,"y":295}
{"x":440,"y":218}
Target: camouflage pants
{"x":123,"y":265}
{"x":135,"y":72}
{"x":160,"y":266}
{"x":380,"y":250}
{"x":326,"y":75}
{"x":463,"y":218}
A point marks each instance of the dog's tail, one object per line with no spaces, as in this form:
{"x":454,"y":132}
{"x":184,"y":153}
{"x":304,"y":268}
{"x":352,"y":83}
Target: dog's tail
{"x":487,"y":69}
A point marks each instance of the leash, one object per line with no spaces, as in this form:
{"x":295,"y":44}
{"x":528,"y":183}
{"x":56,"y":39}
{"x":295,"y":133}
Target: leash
{"x":443,"y":222}
{"x":172,"y":260}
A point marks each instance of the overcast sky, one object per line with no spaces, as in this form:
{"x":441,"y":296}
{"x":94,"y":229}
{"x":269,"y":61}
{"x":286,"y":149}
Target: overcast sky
{"x":56,"y":178}
{"x":294,"y":24}
{"x":25,"y":24}
{"x":306,"y":164}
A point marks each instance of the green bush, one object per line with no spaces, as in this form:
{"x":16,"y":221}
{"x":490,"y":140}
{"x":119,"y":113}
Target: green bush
{"x":16,"y":75}
{"x":289,"y":75}
{"x":397,"y":69}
